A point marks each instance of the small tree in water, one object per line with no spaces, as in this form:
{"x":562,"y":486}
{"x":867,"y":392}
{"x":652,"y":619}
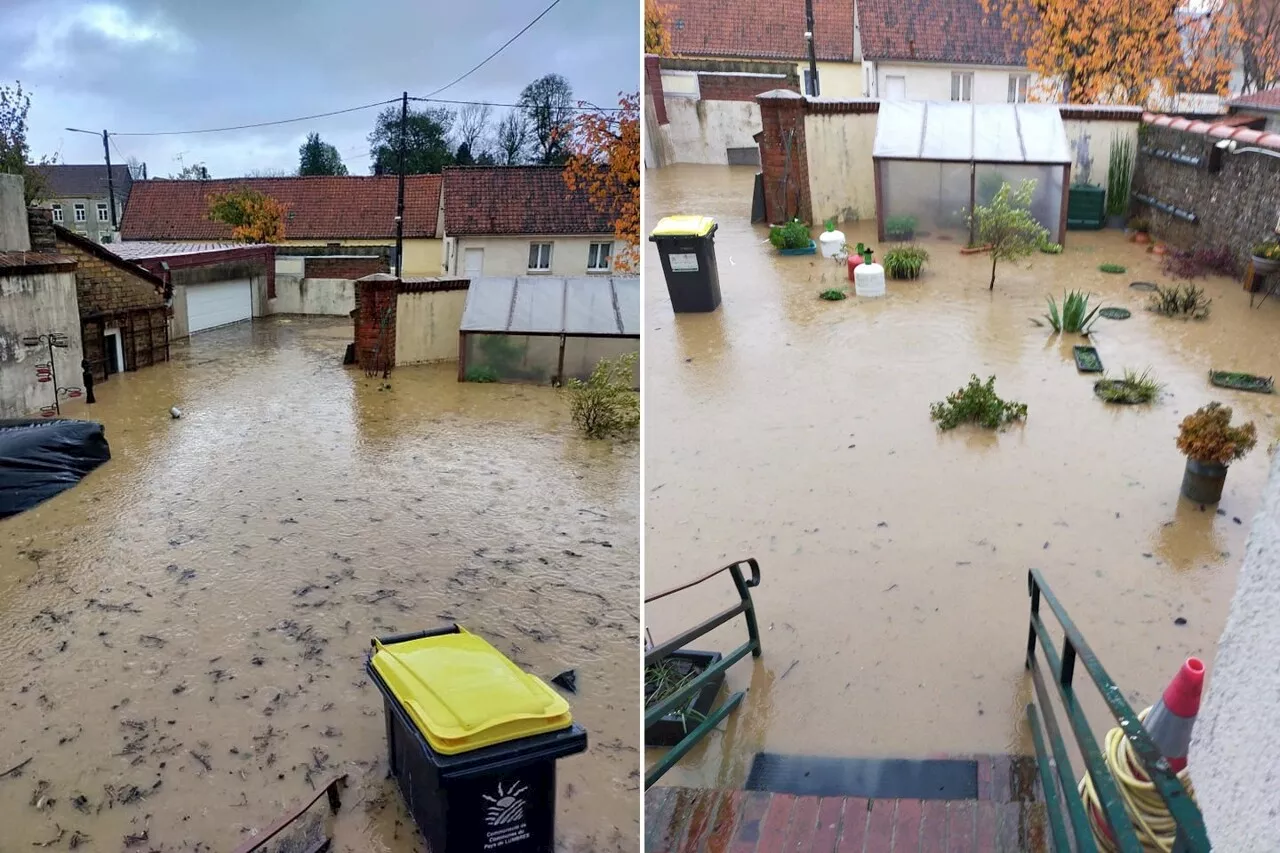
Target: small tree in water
{"x":1007,"y":226}
{"x":607,"y":404}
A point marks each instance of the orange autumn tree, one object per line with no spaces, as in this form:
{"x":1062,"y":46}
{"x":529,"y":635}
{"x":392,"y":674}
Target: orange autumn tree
{"x":657,"y":28}
{"x":1254,"y":30}
{"x":604,"y":162}
{"x":1117,"y":51}
{"x":253,"y":216}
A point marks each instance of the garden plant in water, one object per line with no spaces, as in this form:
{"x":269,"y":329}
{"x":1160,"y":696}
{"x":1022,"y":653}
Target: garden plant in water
{"x":1075,"y":316}
{"x":606,"y":404}
{"x":793,"y":235}
{"x":977,"y":403}
{"x":1208,"y":436}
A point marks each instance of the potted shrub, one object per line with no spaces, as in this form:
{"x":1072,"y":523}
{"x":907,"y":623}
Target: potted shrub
{"x":1141,"y":229}
{"x":1266,"y":257}
{"x":854,"y":256}
{"x":831,"y":240}
{"x":900,"y":228}
{"x":905,"y":262}
{"x":664,"y":679}
{"x":792,"y":239}
{"x":1210,"y":443}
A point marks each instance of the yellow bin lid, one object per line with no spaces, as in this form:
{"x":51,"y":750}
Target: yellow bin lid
{"x":684,"y":226}
{"x":463,"y":694}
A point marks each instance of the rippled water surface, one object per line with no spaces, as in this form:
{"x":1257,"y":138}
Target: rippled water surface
{"x":185,"y":631}
{"x":894,"y":600}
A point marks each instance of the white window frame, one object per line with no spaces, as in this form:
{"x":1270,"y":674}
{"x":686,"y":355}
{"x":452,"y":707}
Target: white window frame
{"x":80,"y":214}
{"x":57,"y":213}
{"x":1019,"y":88}
{"x":889,"y":77}
{"x":960,"y":82}
{"x":593,"y":256}
{"x":536,"y":246}
{"x":104,"y":212}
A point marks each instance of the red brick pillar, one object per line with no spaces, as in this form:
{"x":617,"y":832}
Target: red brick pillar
{"x":375,"y":321}
{"x":784,"y":158}
{"x":653,"y":87}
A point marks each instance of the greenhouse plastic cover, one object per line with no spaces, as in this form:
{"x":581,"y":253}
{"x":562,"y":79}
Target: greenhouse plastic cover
{"x":42,"y":458}
{"x":982,"y":133}
{"x":557,"y":306}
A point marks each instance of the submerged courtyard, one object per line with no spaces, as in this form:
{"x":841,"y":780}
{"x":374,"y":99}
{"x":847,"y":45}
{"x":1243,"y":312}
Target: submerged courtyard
{"x":893,"y":606}
{"x":187,"y":628}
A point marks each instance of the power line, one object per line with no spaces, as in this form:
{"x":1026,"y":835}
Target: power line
{"x":588,"y":109}
{"x":262,"y":123}
{"x":527,"y":27}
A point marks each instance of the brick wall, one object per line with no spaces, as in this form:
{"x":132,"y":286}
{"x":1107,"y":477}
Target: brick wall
{"x":375,"y":340}
{"x":40,"y":224}
{"x":653,"y":87}
{"x":784,"y":158}
{"x":104,"y":287}
{"x":1236,"y":206}
{"x":740,"y":87}
{"x":340,"y":267}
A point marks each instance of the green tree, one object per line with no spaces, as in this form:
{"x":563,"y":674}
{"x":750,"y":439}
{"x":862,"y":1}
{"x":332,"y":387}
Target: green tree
{"x":15,"y":153}
{"x":316,"y":157}
{"x":194,"y":172}
{"x":463,"y":157}
{"x":548,"y":104}
{"x":427,"y":148}
{"x":486,"y":158}
{"x":1007,"y":226}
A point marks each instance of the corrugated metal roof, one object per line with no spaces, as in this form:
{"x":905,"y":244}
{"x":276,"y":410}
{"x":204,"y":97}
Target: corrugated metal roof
{"x":964,"y":132}
{"x":545,"y":305}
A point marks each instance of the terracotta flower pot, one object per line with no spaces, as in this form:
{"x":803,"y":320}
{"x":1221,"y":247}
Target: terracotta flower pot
{"x":1141,"y":237}
{"x":1160,"y":248}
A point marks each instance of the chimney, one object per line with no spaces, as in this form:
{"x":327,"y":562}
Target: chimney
{"x":911,"y":47}
{"x":14,"y":236}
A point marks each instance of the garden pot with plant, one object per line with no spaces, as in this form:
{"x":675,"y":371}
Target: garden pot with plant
{"x":1141,"y":230}
{"x":792,"y":239}
{"x":831,"y":240}
{"x":663,"y":679}
{"x":901,"y":228}
{"x":1266,"y":257}
{"x":855,"y":256}
{"x":1210,"y":443}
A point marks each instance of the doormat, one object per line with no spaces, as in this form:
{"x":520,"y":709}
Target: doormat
{"x":893,"y":778}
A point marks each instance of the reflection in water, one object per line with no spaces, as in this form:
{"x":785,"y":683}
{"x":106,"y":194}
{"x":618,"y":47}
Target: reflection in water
{"x":208,"y":595}
{"x":894,"y":558}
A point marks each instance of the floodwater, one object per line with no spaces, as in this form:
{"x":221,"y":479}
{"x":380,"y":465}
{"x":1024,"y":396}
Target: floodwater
{"x":894,"y":600}
{"x":186,"y":630}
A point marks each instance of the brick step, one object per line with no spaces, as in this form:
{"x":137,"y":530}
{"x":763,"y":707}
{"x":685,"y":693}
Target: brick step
{"x":688,"y":820}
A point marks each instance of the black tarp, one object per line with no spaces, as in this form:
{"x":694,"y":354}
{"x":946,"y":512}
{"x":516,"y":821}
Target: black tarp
{"x":43,"y":458}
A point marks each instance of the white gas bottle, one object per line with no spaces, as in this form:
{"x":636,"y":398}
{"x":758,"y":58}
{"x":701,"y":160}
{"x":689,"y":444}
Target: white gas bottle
{"x":868,"y":280}
{"x":831,"y":242}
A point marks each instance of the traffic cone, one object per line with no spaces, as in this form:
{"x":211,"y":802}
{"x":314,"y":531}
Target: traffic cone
{"x":1169,"y":722}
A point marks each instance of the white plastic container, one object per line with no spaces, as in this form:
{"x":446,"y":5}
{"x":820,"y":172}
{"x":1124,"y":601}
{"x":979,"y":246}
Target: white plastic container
{"x":868,"y":280}
{"x":831,"y":242}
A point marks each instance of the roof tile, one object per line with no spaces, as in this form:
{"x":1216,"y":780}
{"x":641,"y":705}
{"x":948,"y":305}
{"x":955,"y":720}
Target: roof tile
{"x":481,"y":200}
{"x":318,"y":208}
{"x":936,"y":31}
{"x":1268,"y":99}
{"x":756,"y":29}
{"x":64,"y":180}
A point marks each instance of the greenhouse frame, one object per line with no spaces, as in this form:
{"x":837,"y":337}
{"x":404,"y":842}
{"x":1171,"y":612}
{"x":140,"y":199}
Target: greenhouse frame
{"x":935,"y":161}
{"x":547,"y":330}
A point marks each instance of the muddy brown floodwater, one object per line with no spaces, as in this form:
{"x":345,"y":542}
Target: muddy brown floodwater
{"x":894,"y":601}
{"x":185,"y":631}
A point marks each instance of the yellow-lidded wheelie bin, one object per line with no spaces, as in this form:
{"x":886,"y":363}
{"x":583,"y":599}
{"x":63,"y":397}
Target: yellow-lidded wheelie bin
{"x":687,"y":246}
{"x":472,"y":741}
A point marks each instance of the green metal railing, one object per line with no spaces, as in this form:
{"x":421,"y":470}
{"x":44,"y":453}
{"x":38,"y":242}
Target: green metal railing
{"x":680,"y":698}
{"x":1056,"y":774}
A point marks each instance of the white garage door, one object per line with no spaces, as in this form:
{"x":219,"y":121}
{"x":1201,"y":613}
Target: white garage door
{"x":218,"y":304}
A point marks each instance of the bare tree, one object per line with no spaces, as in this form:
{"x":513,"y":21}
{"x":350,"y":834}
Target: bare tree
{"x":472,"y":126}
{"x":137,"y":169}
{"x":512,"y":138}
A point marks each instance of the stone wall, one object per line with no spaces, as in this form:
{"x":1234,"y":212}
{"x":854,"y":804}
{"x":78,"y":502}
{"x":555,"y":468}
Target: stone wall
{"x":1235,"y":206}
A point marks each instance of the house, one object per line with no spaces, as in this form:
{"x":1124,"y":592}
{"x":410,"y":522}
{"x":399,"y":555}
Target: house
{"x":522,"y":220}
{"x":940,"y":50}
{"x":79,"y":198}
{"x":331,"y":212}
{"x":769,"y":33}
{"x":211,"y":284}
{"x":1265,"y":104}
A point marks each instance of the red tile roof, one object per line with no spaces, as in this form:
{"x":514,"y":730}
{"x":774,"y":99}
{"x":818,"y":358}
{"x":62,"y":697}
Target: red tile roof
{"x":481,"y":200}
{"x":319,"y":208}
{"x":1268,"y":99}
{"x":760,"y":29}
{"x":936,"y":31}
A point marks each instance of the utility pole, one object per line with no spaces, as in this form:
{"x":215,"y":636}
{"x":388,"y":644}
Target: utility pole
{"x":813,"y":54}
{"x":404,"y":138}
{"x":111,"y":184}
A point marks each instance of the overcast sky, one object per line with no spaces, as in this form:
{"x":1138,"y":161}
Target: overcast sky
{"x":147,"y":65}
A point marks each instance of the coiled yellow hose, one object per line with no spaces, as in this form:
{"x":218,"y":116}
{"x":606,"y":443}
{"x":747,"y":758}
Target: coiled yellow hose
{"x":1147,"y":811}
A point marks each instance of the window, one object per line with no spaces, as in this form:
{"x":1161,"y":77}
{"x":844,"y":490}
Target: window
{"x":1018,"y":85}
{"x":895,"y":87}
{"x":103,"y":214}
{"x":600,"y":257}
{"x":962,"y":85}
{"x":57,"y":213}
{"x":539,"y":257}
{"x":810,"y":87}
{"x":79,"y":213}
